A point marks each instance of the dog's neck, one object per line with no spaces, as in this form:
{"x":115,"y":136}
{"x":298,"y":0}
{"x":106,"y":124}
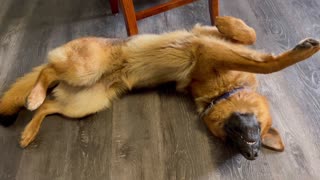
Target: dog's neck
{"x":214,"y":83}
{"x":210,"y":84}
{"x":219,"y":98}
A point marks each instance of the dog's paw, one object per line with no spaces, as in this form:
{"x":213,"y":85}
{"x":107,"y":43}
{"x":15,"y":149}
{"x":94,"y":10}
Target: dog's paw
{"x":35,"y":98}
{"x":7,"y":120}
{"x":220,"y":20}
{"x":28,"y":135}
{"x":235,"y":29}
{"x":308,"y":43}
{"x":305,"y":49}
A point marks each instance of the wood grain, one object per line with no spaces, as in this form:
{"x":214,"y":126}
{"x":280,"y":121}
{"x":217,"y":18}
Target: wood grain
{"x":156,"y":134}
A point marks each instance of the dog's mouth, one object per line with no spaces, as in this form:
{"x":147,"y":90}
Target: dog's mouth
{"x":248,"y":147}
{"x":243,"y":130}
{"x":249,"y":142}
{"x":242,"y":138}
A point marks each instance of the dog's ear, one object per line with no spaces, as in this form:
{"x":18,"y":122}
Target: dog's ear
{"x":272,"y":140}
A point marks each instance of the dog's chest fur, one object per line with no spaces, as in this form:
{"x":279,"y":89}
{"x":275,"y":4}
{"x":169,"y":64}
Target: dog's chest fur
{"x":210,"y":83}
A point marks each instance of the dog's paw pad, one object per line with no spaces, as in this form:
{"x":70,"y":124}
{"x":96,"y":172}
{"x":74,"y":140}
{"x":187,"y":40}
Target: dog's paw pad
{"x":33,"y":103}
{"x":307,"y":44}
{"x":35,"y":99}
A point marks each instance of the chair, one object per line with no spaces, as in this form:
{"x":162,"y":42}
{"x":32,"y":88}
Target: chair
{"x":131,"y":16}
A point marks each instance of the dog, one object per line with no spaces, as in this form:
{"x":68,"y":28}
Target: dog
{"x":87,"y":74}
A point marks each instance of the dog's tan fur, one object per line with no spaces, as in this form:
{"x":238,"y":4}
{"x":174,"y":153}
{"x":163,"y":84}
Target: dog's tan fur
{"x":92,"y":72}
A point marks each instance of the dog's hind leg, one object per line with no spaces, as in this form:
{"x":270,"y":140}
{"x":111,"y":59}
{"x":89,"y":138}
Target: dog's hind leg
{"x":39,"y":91}
{"x":81,"y":62}
{"x":32,"y":129}
{"x":229,"y":56}
{"x":72,"y":102}
{"x":14,"y":98}
{"x":49,"y":75}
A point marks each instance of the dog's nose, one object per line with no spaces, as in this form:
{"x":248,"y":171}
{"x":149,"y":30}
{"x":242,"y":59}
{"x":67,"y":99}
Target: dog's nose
{"x":251,"y":154}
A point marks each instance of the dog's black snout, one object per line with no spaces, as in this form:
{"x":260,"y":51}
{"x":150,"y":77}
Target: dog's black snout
{"x":251,"y":154}
{"x":247,"y":155}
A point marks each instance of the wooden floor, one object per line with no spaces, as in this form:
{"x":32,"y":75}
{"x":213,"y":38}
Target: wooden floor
{"x":156,"y":134}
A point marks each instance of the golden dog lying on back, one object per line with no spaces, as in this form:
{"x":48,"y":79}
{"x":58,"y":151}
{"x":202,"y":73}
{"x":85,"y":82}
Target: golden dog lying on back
{"x":89,"y":73}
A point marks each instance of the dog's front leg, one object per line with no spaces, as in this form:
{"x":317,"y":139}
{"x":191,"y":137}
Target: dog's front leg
{"x":224,"y":55}
{"x":230,"y":28}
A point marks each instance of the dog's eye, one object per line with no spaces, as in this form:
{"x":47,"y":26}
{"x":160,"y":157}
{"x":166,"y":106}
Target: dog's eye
{"x":259,"y":128}
{"x":259,"y":124}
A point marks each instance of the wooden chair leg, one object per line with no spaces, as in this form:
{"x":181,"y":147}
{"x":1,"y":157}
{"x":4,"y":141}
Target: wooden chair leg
{"x":129,"y":17}
{"x":214,"y":10}
{"x":114,"y":6}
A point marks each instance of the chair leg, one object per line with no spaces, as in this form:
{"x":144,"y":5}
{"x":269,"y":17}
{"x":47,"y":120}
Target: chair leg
{"x":214,"y":10}
{"x":114,"y":6}
{"x":129,"y":17}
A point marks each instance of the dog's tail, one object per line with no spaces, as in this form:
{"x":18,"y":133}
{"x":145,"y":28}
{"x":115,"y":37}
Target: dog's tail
{"x":14,"y":98}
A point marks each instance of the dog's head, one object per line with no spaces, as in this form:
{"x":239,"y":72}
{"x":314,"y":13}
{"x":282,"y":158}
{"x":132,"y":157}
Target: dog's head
{"x":244,"y":131}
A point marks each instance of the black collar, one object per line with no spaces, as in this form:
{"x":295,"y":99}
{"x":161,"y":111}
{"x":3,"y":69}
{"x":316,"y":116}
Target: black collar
{"x":215,"y":100}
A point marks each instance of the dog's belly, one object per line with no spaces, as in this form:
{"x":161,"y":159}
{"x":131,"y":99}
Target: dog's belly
{"x":156,"y":77}
{"x":153,"y":59}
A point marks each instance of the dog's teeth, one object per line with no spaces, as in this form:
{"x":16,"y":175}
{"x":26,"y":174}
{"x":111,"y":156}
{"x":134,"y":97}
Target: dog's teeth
{"x":250,"y":143}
